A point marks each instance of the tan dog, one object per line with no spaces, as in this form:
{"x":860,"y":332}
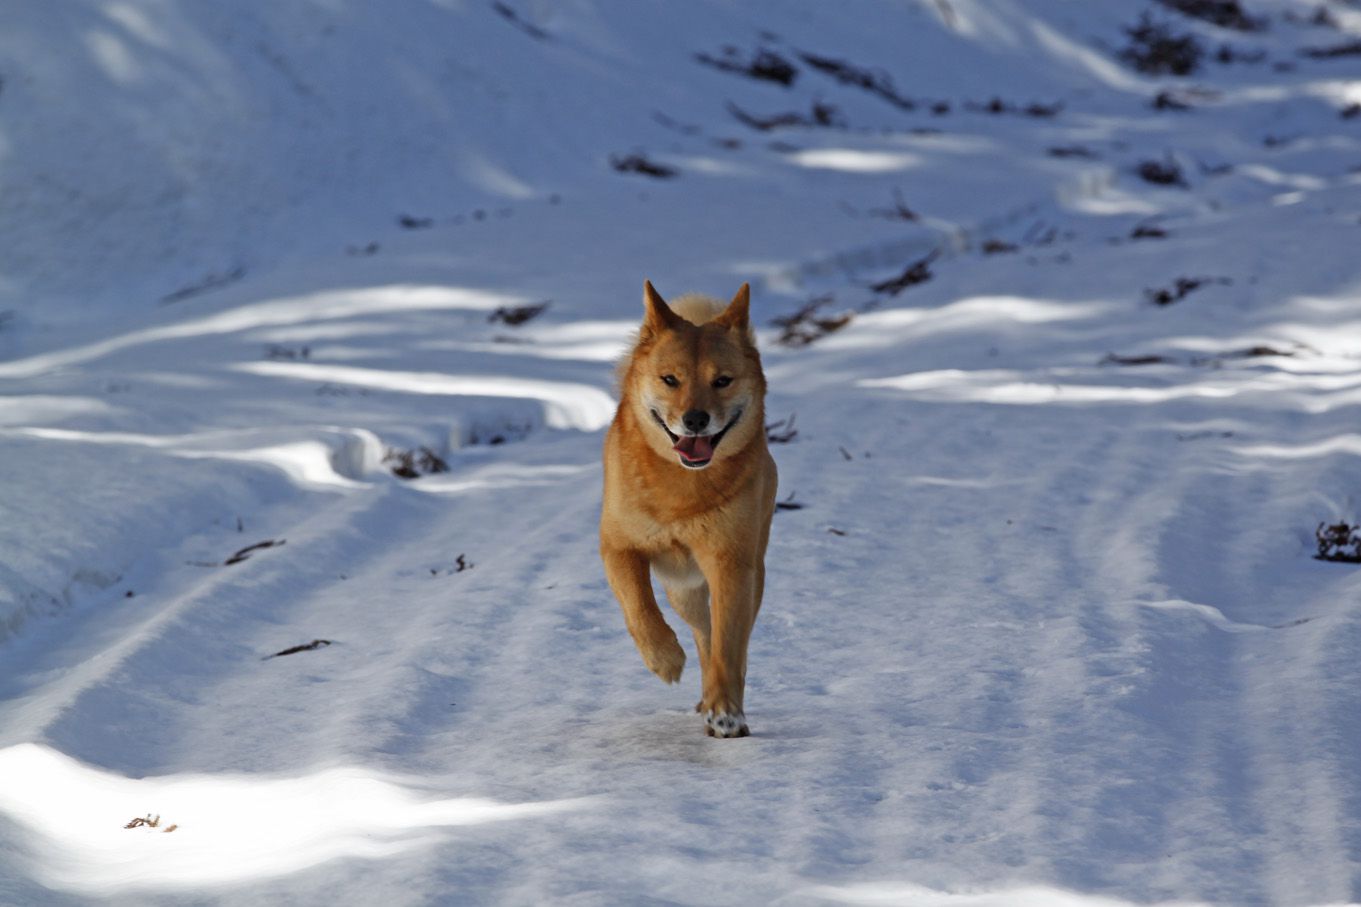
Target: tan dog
{"x":689,"y":493}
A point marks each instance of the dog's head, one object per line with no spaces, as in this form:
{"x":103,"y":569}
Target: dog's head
{"x":695,"y":378}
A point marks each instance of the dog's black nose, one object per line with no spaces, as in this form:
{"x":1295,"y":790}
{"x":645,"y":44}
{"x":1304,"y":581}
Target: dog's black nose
{"x":695,"y":420}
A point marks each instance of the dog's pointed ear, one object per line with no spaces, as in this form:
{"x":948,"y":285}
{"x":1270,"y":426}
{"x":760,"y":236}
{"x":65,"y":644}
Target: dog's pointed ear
{"x":738,"y":313}
{"x":658,"y":316}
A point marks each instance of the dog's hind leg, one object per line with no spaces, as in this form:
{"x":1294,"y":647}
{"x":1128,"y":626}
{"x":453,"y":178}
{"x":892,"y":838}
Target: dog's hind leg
{"x":692,"y":603}
{"x":627,"y":572}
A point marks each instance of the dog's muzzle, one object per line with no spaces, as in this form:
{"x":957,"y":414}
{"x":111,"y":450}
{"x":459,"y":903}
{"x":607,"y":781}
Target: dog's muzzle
{"x":696,"y":451}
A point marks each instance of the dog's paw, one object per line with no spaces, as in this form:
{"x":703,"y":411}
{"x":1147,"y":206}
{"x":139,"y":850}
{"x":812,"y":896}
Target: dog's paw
{"x":666,"y":660}
{"x":726,"y":724}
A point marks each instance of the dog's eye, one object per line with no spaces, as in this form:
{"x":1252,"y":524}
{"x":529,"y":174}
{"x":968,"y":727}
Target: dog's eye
{"x":722,"y":381}
{"x":670,"y":381}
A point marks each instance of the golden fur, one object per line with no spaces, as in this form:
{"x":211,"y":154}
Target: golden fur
{"x":689,"y":493}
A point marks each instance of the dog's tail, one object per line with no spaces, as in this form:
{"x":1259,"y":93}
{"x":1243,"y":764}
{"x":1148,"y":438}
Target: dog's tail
{"x":697,"y":308}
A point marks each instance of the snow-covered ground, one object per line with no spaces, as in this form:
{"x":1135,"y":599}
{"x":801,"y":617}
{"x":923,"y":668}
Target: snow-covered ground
{"x":1046,"y":629}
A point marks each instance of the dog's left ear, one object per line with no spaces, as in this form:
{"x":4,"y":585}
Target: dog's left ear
{"x":738,"y":313}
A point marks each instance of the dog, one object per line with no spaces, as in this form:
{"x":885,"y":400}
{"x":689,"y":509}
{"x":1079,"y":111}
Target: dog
{"x":690,"y":491}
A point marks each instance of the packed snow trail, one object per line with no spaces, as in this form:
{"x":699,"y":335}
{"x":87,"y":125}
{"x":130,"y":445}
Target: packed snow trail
{"x":1042,"y":623}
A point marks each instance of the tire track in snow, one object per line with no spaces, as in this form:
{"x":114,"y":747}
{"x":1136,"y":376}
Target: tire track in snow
{"x":210,"y":635}
{"x":1189,"y":736}
{"x":421,"y":632}
{"x":1140,"y":740}
{"x":1285,"y":724}
{"x":1135,"y":729}
{"x":923,"y":723}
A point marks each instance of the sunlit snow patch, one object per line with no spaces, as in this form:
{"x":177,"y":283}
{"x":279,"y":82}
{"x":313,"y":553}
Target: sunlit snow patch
{"x":976,"y":313}
{"x":566,"y":405}
{"x":228,"y":828}
{"x":580,"y":341}
{"x":904,"y":894}
{"x":501,"y":476}
{"x":1208,"y":613}
{"x":1338,"y":444}
{"x":29,"y":408}
{"x":851,"y":160}
{"x":335,"y":458}
{"x":1310,"y":393}
{"x":309,"y":308}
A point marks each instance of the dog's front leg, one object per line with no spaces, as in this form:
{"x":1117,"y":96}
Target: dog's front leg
{"x":732,"y":607}
{"x":627,"y":572}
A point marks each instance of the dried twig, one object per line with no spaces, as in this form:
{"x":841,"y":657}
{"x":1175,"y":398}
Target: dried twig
{"x":519,"y":22}
{"x":1251,"y":352}
{"x":917,"y":272}
{"x":517,"y":315}
{"x":1183,"y":287}
{"x":305,"y":647}
{"x":278,"y":351}
{"x":1116,"y":359}
{"x":246,"y":552}
{"x":1165,"y":100}
{"x":899,"y":211}
{"x":1034,"y":109}
{"x":765,"y":65}
{"x":637,"y":163}
{"x":461,"y":563}
{"x":1166,"y":172}
{"x":210,"y":282}
{"x":874,"y":81}
{"x":805,"y":325}
{"x":824,"y":115}
{"x":783,"y":431}
{"x":1336,"y":51}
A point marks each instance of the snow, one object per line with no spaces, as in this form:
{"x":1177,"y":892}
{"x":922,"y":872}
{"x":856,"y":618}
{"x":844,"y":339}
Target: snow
{"x":1046,"y":630}
{"x":310,"y":820}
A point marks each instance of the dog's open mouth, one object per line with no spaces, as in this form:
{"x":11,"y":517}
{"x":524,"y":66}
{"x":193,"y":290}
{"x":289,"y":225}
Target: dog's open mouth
{"x":696,"y":450}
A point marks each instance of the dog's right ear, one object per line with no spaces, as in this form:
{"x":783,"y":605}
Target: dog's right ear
{"x":659,"y":316}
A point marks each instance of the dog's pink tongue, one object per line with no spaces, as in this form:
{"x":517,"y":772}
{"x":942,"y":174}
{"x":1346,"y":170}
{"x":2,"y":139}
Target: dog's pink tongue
{"x":695,"y":449}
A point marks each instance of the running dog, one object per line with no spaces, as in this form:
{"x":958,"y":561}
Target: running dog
{"x":690,"y":491}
